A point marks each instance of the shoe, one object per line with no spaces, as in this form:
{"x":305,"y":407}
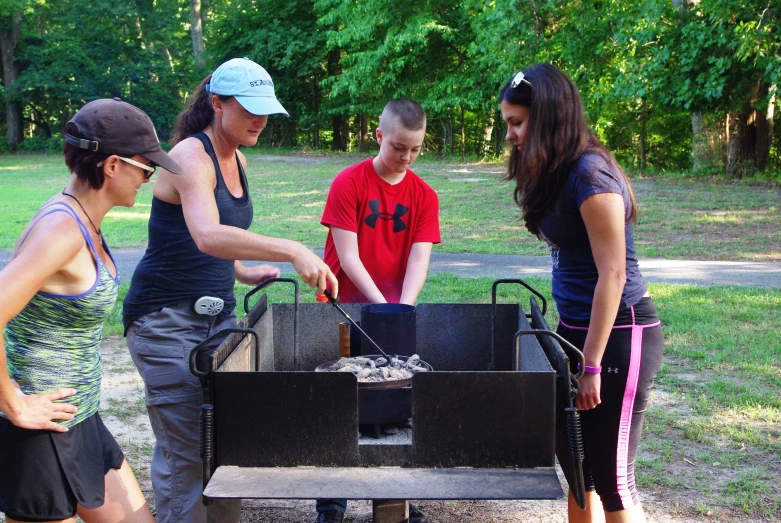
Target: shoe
{"x":330,"y":516}
{"x":415,"y":515}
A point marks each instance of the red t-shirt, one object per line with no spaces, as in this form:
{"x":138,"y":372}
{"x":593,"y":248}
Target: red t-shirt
{"x":388,"y":220}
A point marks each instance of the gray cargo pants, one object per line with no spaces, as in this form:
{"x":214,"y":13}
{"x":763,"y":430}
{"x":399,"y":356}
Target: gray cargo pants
{"x":160,"y":344}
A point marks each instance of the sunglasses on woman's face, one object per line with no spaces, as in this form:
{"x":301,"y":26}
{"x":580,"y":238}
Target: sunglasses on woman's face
{"x":149,"y":169}
{"x":518,"y":78}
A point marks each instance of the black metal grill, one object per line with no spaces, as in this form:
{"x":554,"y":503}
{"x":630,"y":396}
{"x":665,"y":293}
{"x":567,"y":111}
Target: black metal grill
{"x":477,"y":434}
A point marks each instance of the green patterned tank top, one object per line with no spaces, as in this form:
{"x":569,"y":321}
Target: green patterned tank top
{"x":53,"y":343}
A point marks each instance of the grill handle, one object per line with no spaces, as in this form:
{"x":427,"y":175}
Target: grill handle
{"x":203,"y":375}
{"x":572,"y":351}
{"x":575,"y":440}
{"x":295,"y":317}
{"x":492,"y":364}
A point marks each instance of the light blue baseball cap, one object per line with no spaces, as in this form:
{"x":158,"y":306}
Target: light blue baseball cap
{"x":249,"y":83}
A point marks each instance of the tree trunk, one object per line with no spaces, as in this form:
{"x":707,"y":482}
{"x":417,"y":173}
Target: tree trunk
{"x":9,"y":39}
{"x":499,"y":133}
{"x":643,"y":135}
{"x":339,"y":133}
{"x":443,"y":121}
{"x":40,"y":121}
{"x":449,"y":144}
{"x":742,"y":142}
{"x":764,"y":119}
{"x":196,"y":32}
{"x":488,"y":134}
{"x":363,"y":130}
{"x":750,"y":134}
{"x":338,"y":143}
{"x":463,"y":136}
{"x":700,"y":157}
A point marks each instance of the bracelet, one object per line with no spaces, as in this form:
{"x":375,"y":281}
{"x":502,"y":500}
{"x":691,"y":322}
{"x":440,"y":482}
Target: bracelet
{"x":591,"y":370}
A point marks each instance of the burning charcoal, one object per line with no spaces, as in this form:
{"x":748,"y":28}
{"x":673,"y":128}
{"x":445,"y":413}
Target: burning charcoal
{"x":381,"y":361}
{"x":395,"y":374}
{"x":400,"y":374}
{"x":366,"y":370}
{"x":413,"y":360}
{"x":339,"y":364}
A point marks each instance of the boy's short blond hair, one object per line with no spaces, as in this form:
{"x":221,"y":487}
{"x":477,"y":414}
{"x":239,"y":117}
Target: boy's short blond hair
{"x":405,"y":112}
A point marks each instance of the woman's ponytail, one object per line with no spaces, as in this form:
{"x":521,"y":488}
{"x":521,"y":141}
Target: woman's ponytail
{"x":196,"y":116}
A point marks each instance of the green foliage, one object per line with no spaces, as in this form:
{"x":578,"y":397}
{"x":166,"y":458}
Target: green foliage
{"x":74,"y":52}
{"x":40,"y":144}
{"x":641,"y":65}
{"x":289,"y":46}
{"x":422,"y":55}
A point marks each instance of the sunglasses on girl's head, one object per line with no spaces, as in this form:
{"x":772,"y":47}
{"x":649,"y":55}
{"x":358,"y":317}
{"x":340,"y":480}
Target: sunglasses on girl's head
{"x":149,"y":169}
{"x":518,"y":78}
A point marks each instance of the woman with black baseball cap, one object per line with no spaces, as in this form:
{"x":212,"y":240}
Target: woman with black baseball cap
{"x":57,"y":459}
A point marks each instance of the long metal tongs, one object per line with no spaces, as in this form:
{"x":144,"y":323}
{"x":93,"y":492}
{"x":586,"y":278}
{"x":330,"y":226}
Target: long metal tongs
{"x":335,"y":303}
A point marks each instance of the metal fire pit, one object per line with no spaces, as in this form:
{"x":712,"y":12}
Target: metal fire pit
{"x":382,"y":402}
{"x":271,"y":430}
{"x":377,"y":385}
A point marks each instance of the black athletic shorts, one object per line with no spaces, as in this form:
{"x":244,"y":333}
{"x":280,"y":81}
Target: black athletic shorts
{"x":611,"y":431}
{"x":44,"y":475}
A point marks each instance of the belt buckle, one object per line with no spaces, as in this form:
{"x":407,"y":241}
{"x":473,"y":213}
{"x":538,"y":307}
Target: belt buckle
{"x":208,"y":305}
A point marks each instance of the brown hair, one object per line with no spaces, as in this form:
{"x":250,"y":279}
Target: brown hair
{"x":409,"y":113}
{"x":556,"y":137}
{"x":197,"y":115}
{"x":83,"y":162}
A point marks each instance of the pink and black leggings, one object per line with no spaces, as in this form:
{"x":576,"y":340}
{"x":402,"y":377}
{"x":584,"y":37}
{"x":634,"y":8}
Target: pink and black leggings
{"x":611,"y":431}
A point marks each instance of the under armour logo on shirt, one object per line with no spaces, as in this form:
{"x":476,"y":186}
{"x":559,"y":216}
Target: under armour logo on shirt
{"x":614,"y":370}
{"x":398,"y":223}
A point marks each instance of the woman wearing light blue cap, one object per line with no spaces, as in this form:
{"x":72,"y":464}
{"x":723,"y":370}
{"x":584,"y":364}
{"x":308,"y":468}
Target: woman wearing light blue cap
{"x":182,"y":290}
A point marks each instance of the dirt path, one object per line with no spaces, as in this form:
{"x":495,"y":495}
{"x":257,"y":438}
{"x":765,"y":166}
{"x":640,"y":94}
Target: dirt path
{"x":123,"y":410}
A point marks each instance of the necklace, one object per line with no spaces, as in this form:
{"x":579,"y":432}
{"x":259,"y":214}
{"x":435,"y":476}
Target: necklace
{"x":100,"y":235}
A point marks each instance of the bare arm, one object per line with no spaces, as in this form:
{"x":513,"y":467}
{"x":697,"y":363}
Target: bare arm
{"x":346,"y":243}
{"x":254,"y":275}
{"x":195,"y":191}
{"x":603,"y":215}
{"x":417,"y":270}
{"x":47,"y":250}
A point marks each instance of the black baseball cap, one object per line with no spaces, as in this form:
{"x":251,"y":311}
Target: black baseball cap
{"x":111,"y":126}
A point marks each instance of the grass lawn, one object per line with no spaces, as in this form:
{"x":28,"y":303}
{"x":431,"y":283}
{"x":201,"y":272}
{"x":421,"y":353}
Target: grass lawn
{"x":680,"y":218}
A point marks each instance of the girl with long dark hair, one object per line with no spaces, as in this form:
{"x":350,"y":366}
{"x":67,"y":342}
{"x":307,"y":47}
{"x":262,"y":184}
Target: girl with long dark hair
{"x":575,"y":197}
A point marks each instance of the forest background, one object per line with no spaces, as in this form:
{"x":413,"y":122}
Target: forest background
{"x":669,"y":85}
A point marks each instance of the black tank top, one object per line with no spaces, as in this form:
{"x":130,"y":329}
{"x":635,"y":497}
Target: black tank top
{"x":173,"y":269}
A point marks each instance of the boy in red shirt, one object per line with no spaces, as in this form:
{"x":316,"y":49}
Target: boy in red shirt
{"x":383,"y":221}
{"x":383,"y":218}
